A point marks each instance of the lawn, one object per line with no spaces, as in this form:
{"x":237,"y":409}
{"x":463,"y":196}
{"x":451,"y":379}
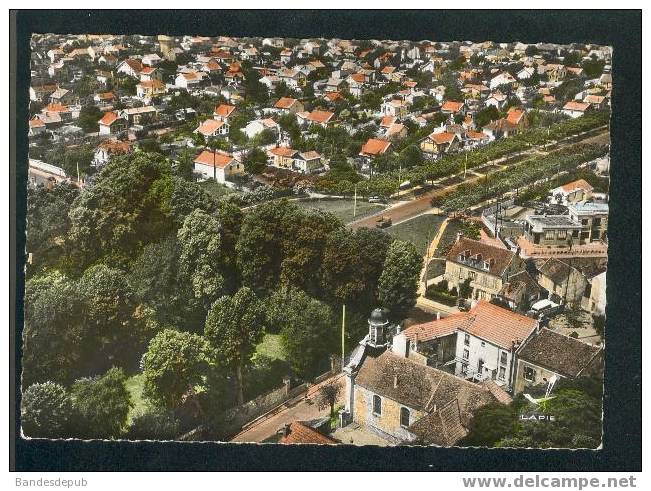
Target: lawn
{"x":215,"y":189}
{"x":343,"y":208}
{"x":271,"y":347}
{"x":418,"y":230}
{"x":134,"y":386}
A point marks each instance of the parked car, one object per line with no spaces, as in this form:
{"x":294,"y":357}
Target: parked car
{"x":377,"y":199}
{"x":544,"y":308}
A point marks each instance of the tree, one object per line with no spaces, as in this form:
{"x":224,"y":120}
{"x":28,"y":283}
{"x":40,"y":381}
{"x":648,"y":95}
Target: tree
{"x":307,"y":326}
{"x":234,"y":327}
{"x":54,"y":331}
{"x":352,"y":265}
{"x":486,"y":115}
{"x":44,"y":411}
{"x":101,"y":405}
{"x":118,"y":327}
{"x":328,"y":395}
{"x":126,"y":208}
{"x":185,"y":165}
{"x":88,"y":119}
{"x":47,"y":217}
{"x":154,"y":424}
{"x":490,"y":424}
{"x":398,"y":283}
{"x":173,"y":365}
{"x":200,"y":242}
{"x":186,"y":197}
{"x":157,"y":282}
{"x":255,"y":161}
{"x":465,"y":290}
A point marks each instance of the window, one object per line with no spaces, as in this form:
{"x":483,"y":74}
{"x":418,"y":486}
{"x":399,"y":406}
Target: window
{"x":503,"y":357}
{"x":404,"y":417}
{"x":466,"y":354}
{"x":561,"y":234}
{"x":473,"y":275}
{"x":596,"y":222}
{"x":466,"y":339}
{"x":584,"y":222}
{"x":502,"y":373}
{"x":464,"y":368}
{"x":377,"y":405}
{"x":483,"y":344}
{"x":549,"y":234}
{"x":529,"y":374}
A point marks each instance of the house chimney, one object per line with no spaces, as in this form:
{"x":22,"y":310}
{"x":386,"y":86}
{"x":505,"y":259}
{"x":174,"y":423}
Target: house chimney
{"x":286,"y":430}
{"x":438,"y":316}
{"x":395,"y":381}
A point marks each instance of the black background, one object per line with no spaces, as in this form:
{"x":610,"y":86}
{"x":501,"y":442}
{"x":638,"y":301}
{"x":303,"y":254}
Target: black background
{"x":622,"y":405}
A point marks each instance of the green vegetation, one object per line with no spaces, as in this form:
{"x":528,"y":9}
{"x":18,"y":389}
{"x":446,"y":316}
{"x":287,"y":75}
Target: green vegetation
{"x":419,"y":230}
{"x":517,"y":176}
{"x":342,"y":208}
{"x":271,"y":347}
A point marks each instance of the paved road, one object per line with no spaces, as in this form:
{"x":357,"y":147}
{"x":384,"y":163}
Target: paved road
{"x":302,"y":410}
{"x":411,"y":209}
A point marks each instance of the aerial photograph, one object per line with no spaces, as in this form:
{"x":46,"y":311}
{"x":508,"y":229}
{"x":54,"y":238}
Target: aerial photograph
{"x":316,"y":241}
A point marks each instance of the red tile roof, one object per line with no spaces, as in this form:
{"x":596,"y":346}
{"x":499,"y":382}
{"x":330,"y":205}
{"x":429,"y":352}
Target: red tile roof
{"x":283,"y":151}
{"x":443,"y":137}
{"x":224,"y":110}
{"x":209,"y":127}
{"x":285,"y":103}
{"x":452,"y":106}
{"x":576,"y":106}
{"x":318,"y":116}
{"x":375,"y":146}
{"x":515,"y":116}
{"x":218,"y":159}
{"x":486,"y":321}
{"x":578,"y":184}
{"x":109,"y":118}
{"x":303,"y":434}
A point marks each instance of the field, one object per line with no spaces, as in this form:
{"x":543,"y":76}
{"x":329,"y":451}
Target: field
{"x":215,"y":189}
{"x":343,"y":208}
{"x":419,"y":230}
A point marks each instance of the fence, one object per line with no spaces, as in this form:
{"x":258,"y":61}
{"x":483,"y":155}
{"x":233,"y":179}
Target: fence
{"x":238,"y":418}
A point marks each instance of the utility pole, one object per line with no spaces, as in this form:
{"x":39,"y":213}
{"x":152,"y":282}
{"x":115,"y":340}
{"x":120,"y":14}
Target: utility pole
{"x":78,"y":179}
{"x":343,"y":329}
{"x":355,"y":202}
{"x":465,"y":167}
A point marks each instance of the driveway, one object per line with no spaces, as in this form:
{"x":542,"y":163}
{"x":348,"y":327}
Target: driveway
{"x":298,"y":410}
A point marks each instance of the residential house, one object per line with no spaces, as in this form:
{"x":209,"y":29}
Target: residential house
{"x":551,"y":230}
{"x":139,"y":115}
{"x":130,"y":67}
{"x":374,"y":147}
{"x":104,"y":98}
{"x":41,"y":93}
{"x":282,"y":157}
{"x":189,"y":80}
{"x":111,"y":124}
{"x":224,"y":112}
{"x":502,"y":78}
{"x":211,"y":128}
{"x":486,"y":267}
{"x":108,"y":149}
{"x":576,"y":109}
{"x":308,"y":162}
{"x":294,"y":79}
{"x":149,"y":73}
{"x":500,"y":128}
{"x":549,"y":356}
{"x":597,"y":102}
{"x":478,"y":345}
{"x":395,"y":107}
{"x":572,"y":192}
{"x":320,"y":118}
{"x":517,"y":117}
{"x":520,"y":291}
{"x":257,"y":126}
{"x":36,"y":126}
{"x":289,"y":105}
{"x":63,"y":96}
{"x":593,"y":217}
{"x":150,"y":89}
{"x":497,"y":100}
{"x":452,"y":108}
{"x":439,"y":143}
{"x":569,"y":281}
{"x":217,"y":165}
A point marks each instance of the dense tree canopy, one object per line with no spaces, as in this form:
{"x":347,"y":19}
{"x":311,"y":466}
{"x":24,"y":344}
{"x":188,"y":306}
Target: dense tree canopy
{"x":398,"y":283}
{"x":45,"y":410}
